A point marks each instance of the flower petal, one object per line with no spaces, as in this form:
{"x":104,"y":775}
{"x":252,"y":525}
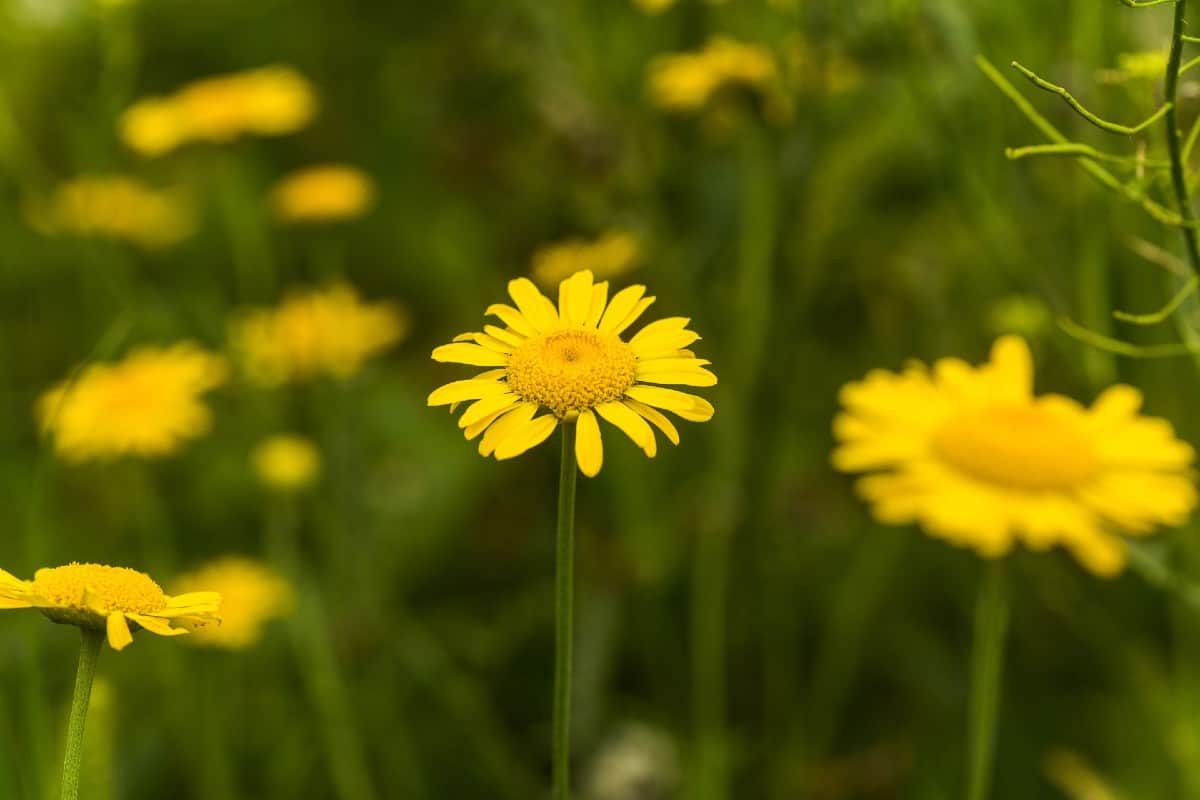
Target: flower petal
{"x":575,"y":298}
{"x":696,"y":377}
{"x":527,"y":436}
{"x":472,"y":354}
{"x":459,"y":391}
{"x":119,"y":636}
{"x":534,"y":305}
{"x":157,"y":625}
{"x":631,"y":424}
{"x":485,"y":406}
{"x":599,"y":300}
{"x":633,"y":315}
{"x":656,"y":417}
{"x":504,"y":424}
{"x":512,"y":318}
{"x":619,"y":307}
{"x":589,"y":450}
{"x":511,"y":338}
{"x":687,"y":406}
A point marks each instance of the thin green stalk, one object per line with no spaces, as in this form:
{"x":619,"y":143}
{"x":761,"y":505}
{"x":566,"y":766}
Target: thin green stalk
{"x":89,"y":652}
{"x":564,"y":614}
{"x":1183,"y":197}
{"x":987,"y":667}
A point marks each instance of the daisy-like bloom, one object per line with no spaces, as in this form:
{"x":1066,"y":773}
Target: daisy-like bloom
{"x":974,"y":457}
{"x":252,"y":594}
{"x":686,"y":81}
{"x":114,"y":206}
{"x":269,"y":101}
{"x":611,"y":256}
{"x":286,"y":462}
{"x":572,"y":361}
{"x":323,"y":332}
{"x":117,"y":600}
{"x":147,"y":405}
{"x":325,"y":193}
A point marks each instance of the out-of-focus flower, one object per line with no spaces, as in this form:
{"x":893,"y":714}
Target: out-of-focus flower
{"x":324,"y":193}
{"x":286,"y":462}
{"x":638,"y":763}
{"x":1148,"y":65}
{"x":1068,"y":770}
{"x":1022,"y":314}
{"x":109,"y":599}
{"x":147,"y":405}
{"x":687,"y":81}
{"x":324,"y":332}
{"x":114,"y":206}
{"x":571,"y":360}
{"x":827,"y":71}
{"x":654,"y":6}
{"x":612,"y":255}
{"x":270,"y":101}
{"x":974,"y":457}
{"x":252,"y":594}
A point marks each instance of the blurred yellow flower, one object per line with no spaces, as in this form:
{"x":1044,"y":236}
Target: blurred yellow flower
{"x":269,"y":101}
{"x":115,"y":206}
{"x":323,"y":332}
{"x":324,"y":193}
{"x":571,"y":360}
{"x":654,"y":6}
{"x":611,"y":256}
{"x":252,"y":594}
{"x":1072,"y":774}
{"x":109,"y":599}
{"x":1022,"y":314}
{"x":286,"y":462}
{"x":975,"y":458}
{"x":687,"y":81}
{"x":1147,"y":65}
{"x":146,"y":405}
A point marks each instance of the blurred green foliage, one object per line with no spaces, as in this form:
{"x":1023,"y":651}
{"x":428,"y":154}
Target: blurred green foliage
{"x":896,"y":230}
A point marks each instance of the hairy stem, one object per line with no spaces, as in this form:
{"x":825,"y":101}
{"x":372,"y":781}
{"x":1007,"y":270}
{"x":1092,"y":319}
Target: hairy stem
{"x":89,"y":652}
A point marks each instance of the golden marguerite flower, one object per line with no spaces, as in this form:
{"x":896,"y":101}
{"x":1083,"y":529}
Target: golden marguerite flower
{"x":286,"y":462}
{"x":686,"y":81}
{"x":974,"y":457}
{"x":610,"y":256}
{"x":252,"y":594}
{"x":322,"y":332}
{"x":571,"y":360}
{"x":146,"y":405}
{"x":324,"y":193}
{"x":118,"y":600}
{"x":114,"y":206}
{"x":269,"y":101}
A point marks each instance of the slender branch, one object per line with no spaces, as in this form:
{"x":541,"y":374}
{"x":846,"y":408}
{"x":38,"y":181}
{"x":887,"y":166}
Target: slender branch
{"x":1103,"y":124}
{"x":1192,"y":39}
{"x":1111,"y":345}
{"x":1086,"y":151}
{"x":1146,"y":3}
{"x":1183,"y":197}
{"x":1190,"y":142}
{"x":1155,"y":317}
{"x":1194,"y":62}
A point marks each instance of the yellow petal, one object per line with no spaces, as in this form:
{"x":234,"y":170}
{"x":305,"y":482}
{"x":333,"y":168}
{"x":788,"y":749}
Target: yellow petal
{"x":620,"y":306}
{"x":511,"y":338}
{"x":633,"y":315}
{"x":504,"y":425}
{"x":656,"y":417}
{"x":157,"y":625}
{"x":533,"y":304}
{"x":526,"y":436}
{"x":472,"y":354}
{"x":119,"y":636}
{"x":696,"y":377}
{"x":459,"y":391}
{"x":512,"y":318}
{"x":687,"y":406}
{"x":191,"y":603}
{"x":485,"y":406}
{"x":575,"y":298}
{"x":493,"y":344}
{"x":589,"y":450}
{"x":599,"y":299}
{"x":631,"y":424}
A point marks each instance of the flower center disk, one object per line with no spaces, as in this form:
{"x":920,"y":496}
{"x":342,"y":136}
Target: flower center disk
{"x":108,"y":589}
{"x":1018,"y":447}
{"x":571,"y":370}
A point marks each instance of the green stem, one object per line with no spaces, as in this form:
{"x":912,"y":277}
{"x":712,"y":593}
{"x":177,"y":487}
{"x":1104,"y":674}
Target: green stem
{"x":1183,"y":197}
{"x":564,"y":614}
{"x":89,"y":652}
{"x":987,"y":666}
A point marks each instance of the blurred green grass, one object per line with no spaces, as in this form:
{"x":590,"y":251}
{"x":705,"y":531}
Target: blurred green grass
{"x":490,"y":130}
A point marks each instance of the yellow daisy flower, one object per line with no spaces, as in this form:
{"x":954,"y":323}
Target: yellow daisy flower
{"x":974,"y":457}
{"x":252,"y":594}
{"x":324,"y":193}
{"x":114,"y":206}
{"x":147,"y":405}
{"x":611,"y":256}
{"x":686,"y":81}
{"x":286,"y":462}
{"x":323,"y":332}
{"x":117,"y":600}
{"x":571,"y":360}
{"x":269,"y":101}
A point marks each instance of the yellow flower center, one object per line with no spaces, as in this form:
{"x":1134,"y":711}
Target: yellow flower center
{"x":573,"y":369}
{"x":107,"y":589}
{"x":1018,"y":447}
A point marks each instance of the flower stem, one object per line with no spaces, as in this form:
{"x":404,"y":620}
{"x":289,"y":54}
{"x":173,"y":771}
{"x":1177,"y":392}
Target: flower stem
{"x":1183,"y":197}
{"x":564,"y":614}
{"x":89,"y":652}
{"x":987,"y":666}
